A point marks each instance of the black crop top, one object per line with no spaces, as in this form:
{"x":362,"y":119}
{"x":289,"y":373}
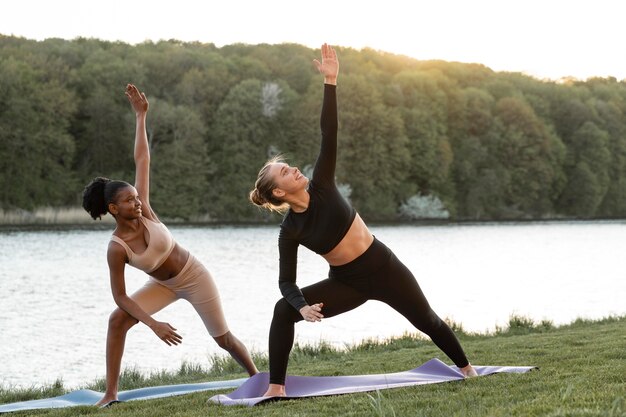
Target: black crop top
{"x":327,"y":218}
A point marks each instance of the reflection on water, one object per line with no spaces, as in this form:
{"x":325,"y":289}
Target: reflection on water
{"x":56,"y":297}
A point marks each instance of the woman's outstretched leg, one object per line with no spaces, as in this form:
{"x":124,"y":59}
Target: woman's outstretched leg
{"x":152,"y":297}
{"x":197,"y":286}
{"x":398,"y":288}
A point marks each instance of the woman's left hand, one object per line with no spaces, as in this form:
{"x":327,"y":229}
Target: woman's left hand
{"x":312,"y":312}
{"x":137,"y":100}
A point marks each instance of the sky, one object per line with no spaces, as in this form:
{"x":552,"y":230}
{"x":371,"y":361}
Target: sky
{"x":546,"y":39}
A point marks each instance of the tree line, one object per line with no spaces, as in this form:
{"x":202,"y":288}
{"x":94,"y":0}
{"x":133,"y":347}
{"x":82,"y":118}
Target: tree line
{"x":417,"y":138}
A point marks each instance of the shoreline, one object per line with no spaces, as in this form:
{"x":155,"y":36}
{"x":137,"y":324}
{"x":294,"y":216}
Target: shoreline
{"x":44,"y":217}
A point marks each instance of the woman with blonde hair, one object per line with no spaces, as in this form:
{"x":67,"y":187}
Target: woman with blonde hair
{"x":361,"y":267}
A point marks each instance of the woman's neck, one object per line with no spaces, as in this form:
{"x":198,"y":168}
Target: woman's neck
{"x":127,"y":225}
{"x":299,"y":202}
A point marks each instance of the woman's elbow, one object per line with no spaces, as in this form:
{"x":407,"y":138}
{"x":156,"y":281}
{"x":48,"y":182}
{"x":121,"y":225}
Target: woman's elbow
{"x":142,"y":159}
{"x":120,"y":299}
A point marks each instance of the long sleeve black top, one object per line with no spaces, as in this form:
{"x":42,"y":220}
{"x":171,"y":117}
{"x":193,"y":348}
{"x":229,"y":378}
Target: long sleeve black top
{"x":328,"y":217}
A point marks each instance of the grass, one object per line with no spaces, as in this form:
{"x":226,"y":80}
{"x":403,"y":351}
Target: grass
{"x":582,"y":373}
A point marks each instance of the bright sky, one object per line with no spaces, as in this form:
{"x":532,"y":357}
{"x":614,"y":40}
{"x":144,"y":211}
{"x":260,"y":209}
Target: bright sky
{"x":542,"y":38}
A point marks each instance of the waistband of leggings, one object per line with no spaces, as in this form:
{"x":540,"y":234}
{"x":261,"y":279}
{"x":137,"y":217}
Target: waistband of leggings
{"x":375,"y":257}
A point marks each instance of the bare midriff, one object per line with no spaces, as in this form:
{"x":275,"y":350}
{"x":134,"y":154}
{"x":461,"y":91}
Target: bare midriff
{"x":353,"y":244}
{"x":172,"y":265}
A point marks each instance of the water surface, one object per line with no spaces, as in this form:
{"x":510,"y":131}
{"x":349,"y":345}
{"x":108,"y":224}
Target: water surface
{"x":55,"y":295}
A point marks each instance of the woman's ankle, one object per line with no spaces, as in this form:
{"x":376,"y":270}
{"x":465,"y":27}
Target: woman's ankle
{"x":468,"y":371}
{"x":275,"y":390}
{"x":107,"y":398}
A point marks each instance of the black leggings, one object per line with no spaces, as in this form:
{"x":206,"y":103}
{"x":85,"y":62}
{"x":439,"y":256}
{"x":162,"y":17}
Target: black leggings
{"x":375,"y":275}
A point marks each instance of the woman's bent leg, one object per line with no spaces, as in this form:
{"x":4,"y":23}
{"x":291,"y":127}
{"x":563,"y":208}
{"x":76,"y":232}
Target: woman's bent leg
{"x":337,"y":298}
{"x":151,"y":298}
{"x":119,"y":324}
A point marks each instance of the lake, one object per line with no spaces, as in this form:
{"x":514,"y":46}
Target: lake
{"x":56,"y":297}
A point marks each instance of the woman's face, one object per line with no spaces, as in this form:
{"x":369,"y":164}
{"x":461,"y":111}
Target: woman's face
{"x":127,"y":204}
{"x":288,"y":179}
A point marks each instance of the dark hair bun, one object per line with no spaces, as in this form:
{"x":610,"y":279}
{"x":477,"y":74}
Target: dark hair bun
{"x":93,"y":198}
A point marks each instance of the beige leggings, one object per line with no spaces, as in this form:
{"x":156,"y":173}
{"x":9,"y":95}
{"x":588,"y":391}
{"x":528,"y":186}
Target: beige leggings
{"x":195,"y":284}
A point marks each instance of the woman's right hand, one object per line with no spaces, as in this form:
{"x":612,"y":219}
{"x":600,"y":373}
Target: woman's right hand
{"x":166,"y":333}
{"x":329,"y":67}
{"x":313,"y":312}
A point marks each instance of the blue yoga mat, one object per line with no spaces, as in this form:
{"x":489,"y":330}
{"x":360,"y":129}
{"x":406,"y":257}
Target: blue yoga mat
{"x":434,"y":371}
{"x":89,"y":397}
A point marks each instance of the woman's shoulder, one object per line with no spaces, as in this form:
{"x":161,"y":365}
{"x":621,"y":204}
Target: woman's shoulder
{"x":287,"y":221}
{"x":118,"y":249}
{"x":289,"y":226}
{"x":319,"y":184}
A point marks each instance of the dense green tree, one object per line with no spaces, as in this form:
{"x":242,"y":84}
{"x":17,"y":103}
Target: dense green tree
{"x":301,"y":133}
{"x":583,"y":193}
{"x":471,"y":122}
{"x":205,"y":88}
{"x":588,"y":160}
{"x":423,"y":106}
{"x":291,"y":63}
{"x":374,"y":158}
{"x":532,"y":155}
{"x":166,"y":62}
{"x":568,"y":114}
{"x":36,"y":151}
{"x":179,"y":161}
{"x":611,"y":117}
{"x":477,"y":117}
{"x":245,"y":133}
{"x":488,"y":145}
{"x":482,"y":182}
{"x":104,"y":138}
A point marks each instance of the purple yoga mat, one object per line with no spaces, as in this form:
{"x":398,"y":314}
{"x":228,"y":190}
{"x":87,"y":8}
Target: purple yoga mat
{"x":432,"y":372}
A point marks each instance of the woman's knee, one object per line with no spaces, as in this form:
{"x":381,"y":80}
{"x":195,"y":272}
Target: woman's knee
{"x":285,"y":311}
{"x":119,"y":319}
{"x":225,"y":341}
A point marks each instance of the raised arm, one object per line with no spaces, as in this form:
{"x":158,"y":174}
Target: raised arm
{"x":139,"y":103}
{"x":324,"y":171}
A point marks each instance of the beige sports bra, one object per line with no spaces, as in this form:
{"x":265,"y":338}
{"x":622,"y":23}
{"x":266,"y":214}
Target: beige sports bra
{"x":160,"y":245}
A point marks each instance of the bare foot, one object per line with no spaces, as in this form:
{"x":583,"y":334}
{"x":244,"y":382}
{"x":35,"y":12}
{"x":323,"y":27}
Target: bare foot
{"x":275,"y":390}
{"x":107,"y":399}
{"x":468,"y":371}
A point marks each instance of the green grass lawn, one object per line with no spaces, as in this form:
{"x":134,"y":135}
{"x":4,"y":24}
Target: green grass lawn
{"x":582,"y":373}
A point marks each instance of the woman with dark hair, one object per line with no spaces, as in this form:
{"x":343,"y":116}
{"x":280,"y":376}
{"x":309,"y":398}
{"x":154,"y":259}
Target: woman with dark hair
{"x":142,"y":241}
{"x":361,"y":267}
